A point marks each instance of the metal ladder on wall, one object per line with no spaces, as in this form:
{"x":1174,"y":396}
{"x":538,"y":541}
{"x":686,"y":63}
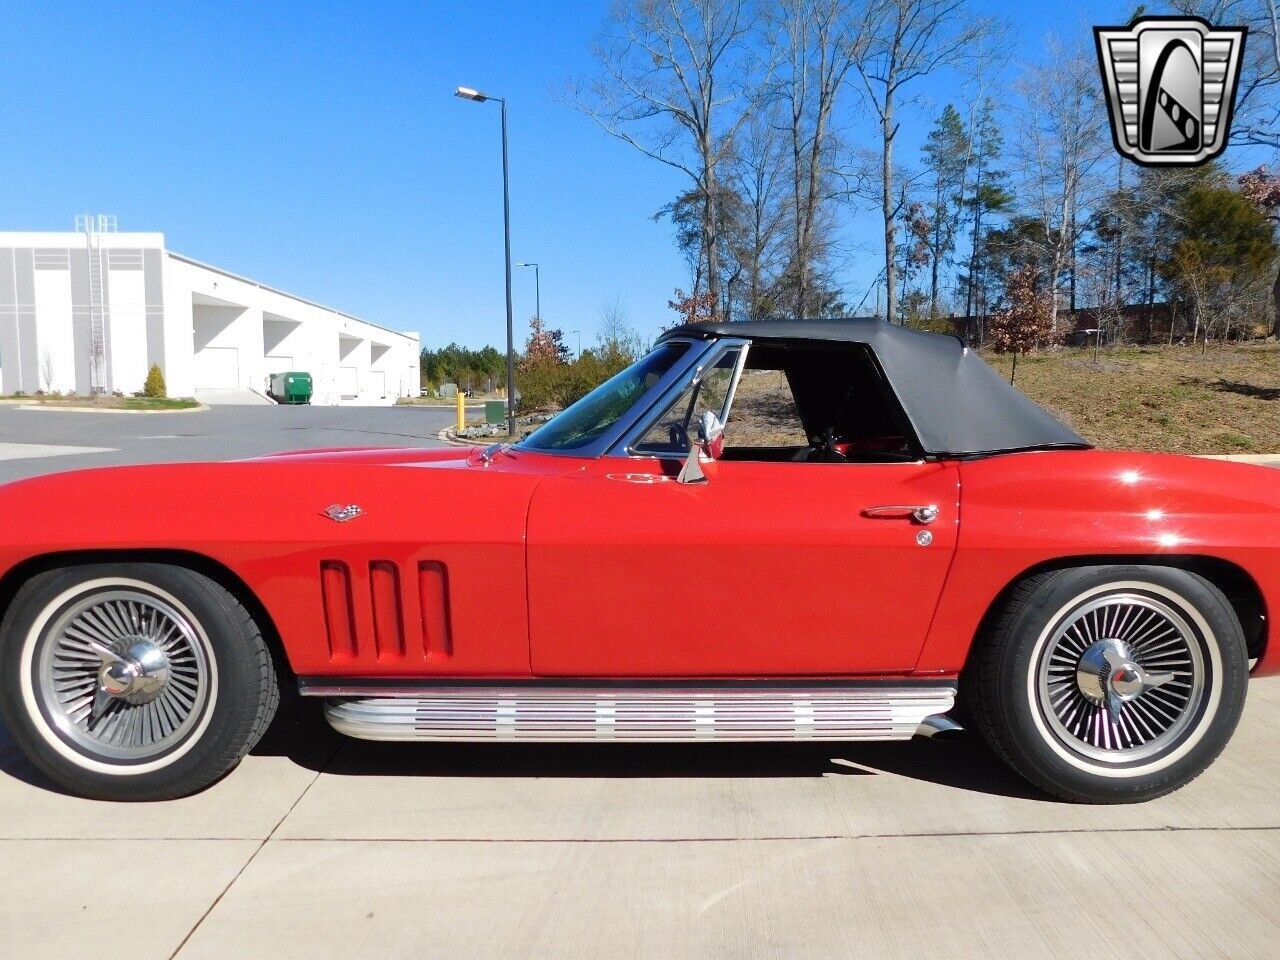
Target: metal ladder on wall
{"x":93,"y":228}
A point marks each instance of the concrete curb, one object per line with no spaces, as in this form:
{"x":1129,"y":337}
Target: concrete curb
{"x":59,"y":409}
{"x":439,"y":406}
{"x":1243,"y":457}
{"x":445,"y":437}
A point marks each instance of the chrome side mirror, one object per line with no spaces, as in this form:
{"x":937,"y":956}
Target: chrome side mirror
{"x":711,"y":436}
{"x":709,"y":446}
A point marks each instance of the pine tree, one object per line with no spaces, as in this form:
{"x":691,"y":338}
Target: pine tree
{"x":154,"y":387}
{"x":946,"y":156}
{"x":989,"y":196}
{"x":1222,"y":243}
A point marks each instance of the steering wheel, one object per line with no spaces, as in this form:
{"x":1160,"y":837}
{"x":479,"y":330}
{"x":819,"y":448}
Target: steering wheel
{"x":826,"y":449}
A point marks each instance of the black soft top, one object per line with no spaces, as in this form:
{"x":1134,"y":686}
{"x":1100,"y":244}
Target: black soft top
{"x":957,"y":404}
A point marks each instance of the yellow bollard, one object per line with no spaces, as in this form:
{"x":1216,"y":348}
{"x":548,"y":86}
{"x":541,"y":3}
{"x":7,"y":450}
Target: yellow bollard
{"x":462,"y":411}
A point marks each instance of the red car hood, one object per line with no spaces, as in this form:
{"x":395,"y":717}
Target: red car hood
{"x":369,"y":455}
{"x":277,"y":498}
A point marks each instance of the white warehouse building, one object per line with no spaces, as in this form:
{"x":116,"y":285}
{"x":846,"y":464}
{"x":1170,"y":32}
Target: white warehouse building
{"x":91,"y":312}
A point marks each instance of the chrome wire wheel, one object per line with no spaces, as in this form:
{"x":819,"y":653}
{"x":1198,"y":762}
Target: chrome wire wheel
{"x":122,"y":673}
{"x":1123,"y":676}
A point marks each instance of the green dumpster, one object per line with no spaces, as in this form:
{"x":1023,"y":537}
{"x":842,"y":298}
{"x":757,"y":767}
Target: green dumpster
{"x":291,"y":387}
{"x":495,"y":411}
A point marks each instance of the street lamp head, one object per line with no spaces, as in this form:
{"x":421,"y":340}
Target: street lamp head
{"x":468,"y":93}
{"x":521,"y":263}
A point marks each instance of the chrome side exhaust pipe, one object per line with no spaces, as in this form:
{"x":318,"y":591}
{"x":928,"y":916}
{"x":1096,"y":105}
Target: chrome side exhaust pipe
{"x":938,"y":725}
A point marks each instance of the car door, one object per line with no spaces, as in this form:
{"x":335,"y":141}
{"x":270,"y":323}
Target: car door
{"x":766,"y":569}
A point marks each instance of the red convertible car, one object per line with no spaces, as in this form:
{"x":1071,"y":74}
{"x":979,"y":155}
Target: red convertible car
{"x":760,"y":531}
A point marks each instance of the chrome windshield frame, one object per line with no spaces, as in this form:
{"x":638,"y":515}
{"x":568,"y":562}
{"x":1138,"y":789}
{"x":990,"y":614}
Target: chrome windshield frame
{"x":715,"y":349}
{"x":599,"y":447}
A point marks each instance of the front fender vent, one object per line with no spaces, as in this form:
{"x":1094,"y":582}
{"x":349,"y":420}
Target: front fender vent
{"x":373,"y":619}
{"x":433,"y":598}
{"x":388,"y":612}
{"x":339,"y":614}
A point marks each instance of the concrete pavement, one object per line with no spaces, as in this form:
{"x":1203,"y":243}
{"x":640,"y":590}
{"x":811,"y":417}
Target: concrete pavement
{"x":320,"y":847}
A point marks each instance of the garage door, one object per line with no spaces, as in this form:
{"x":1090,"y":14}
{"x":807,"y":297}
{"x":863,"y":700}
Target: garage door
{"x":348,"y":381}
{"x":217,"y":368}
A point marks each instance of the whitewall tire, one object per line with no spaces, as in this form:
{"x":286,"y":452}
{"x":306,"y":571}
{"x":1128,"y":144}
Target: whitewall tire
{"x":133,"y":681}
{"x":1110,"y":684}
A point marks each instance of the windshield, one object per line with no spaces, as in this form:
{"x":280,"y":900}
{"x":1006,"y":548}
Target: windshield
{"x":589,"y":418}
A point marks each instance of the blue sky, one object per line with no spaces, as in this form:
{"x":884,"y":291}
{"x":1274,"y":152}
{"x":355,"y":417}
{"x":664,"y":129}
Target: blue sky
{"x":317,"y":147}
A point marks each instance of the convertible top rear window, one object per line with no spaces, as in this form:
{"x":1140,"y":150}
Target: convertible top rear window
{"x":591,"y":417}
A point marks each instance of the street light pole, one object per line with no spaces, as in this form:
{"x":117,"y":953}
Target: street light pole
{"x":506,"y":239}
{"x":469,"y":94}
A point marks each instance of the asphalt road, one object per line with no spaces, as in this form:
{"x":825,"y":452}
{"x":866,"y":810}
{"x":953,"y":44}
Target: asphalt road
{"x":34,"y":442}
{"x":322,"y":847}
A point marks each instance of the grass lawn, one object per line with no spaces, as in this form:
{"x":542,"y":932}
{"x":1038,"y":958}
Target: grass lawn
{"x":1172,"y":399}
{"x":1175,"y":399}
{"x":108,"y":403}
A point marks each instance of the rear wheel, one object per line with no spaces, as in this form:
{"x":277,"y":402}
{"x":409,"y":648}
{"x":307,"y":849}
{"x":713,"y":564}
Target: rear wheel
{"x":133,"y":681}
{"x":1110,"y":684}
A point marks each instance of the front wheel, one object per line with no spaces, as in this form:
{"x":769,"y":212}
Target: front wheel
{"x":1110,"y":684}
{"x":134,"y":681}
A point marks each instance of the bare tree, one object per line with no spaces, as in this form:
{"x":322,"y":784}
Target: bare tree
{"x":1273,"y":21}
{"x":679,"y":80}
{"x":1262,"y":188}
{"x":1060,"y":143}
{"x":912,"y":39}
{"x":821,"y":42}
{"x":757,"y":174}
{"x":618,"y":344}
{"x":1257,"y":114}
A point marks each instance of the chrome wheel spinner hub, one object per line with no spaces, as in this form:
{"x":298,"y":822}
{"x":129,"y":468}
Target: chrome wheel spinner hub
{"x":138,"y":675}
{"x":1108,"y":675}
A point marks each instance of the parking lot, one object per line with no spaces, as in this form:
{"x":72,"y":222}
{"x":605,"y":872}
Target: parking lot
{"x":319,"y":847}
{"x":37,"y":441}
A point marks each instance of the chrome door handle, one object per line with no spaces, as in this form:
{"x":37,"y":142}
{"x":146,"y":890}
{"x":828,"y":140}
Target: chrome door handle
{"x":925,"y":513}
